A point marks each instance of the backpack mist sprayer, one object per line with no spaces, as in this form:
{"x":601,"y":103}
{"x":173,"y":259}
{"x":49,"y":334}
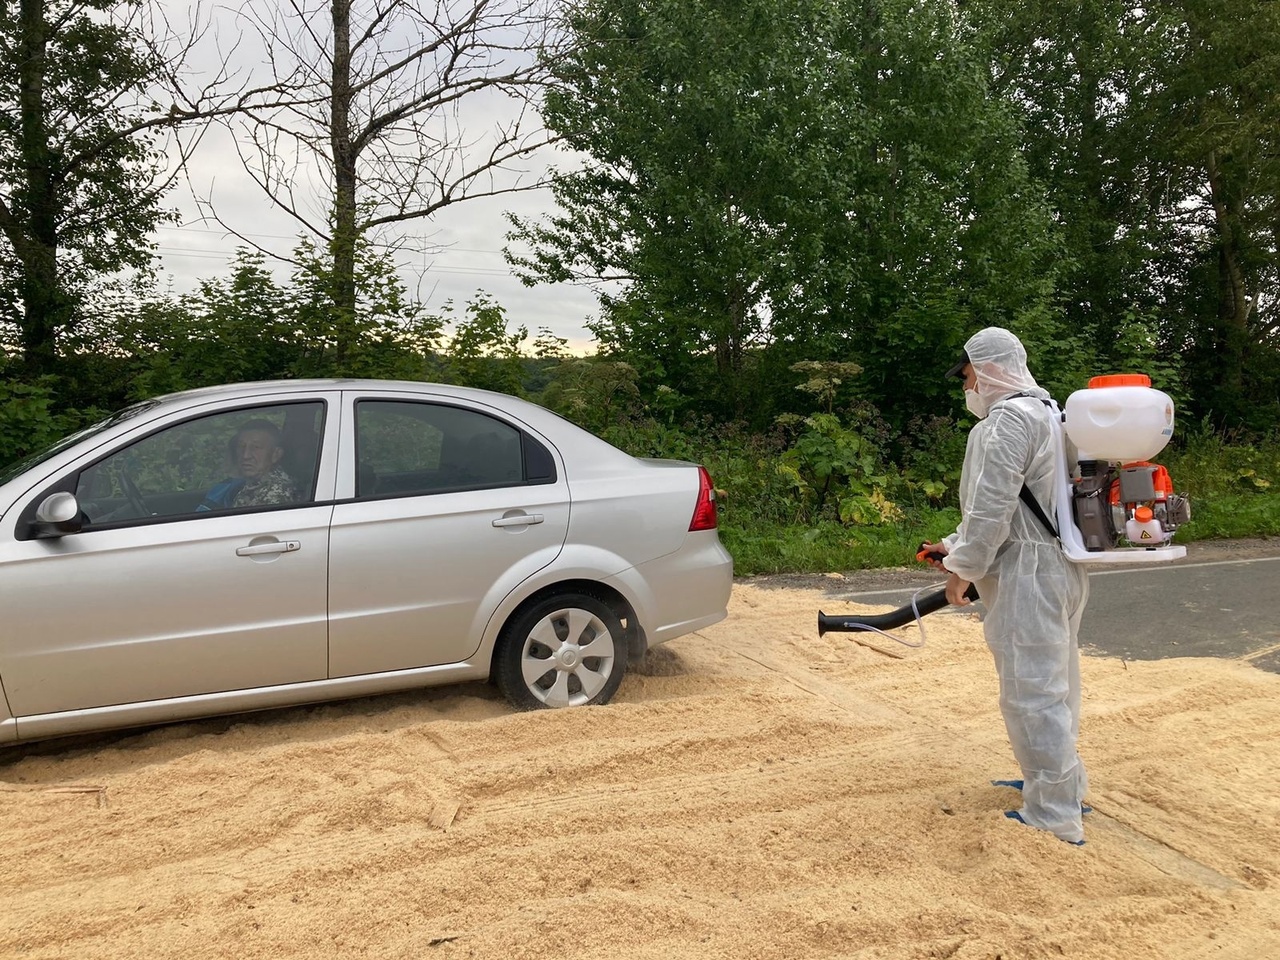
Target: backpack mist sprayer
{"x":1113,"y":505}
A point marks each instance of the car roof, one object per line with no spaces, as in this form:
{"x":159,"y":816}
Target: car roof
{"x":247,"y":390}
{"x":252,"y":388}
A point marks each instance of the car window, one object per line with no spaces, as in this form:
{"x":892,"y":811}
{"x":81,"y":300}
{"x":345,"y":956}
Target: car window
{"x":403,"y":447}
{"x":251,"y":457}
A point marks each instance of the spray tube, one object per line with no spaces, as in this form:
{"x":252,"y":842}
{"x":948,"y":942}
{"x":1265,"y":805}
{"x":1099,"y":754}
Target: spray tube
{"x":879,"y":623}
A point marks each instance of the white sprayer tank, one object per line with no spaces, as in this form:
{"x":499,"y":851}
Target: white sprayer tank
{"x":1119,"y":418}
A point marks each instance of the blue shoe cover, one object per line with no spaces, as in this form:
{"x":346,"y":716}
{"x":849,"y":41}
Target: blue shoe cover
{"x":1015,"y":815}
{"x":1017,"y":785}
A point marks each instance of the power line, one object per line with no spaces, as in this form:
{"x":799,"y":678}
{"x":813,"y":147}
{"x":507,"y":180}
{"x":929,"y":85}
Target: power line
{"x":444,"y":248}
{"x":203,"y":254}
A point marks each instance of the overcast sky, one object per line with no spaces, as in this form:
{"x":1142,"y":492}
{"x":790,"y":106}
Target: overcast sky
{"x":448,"y":257}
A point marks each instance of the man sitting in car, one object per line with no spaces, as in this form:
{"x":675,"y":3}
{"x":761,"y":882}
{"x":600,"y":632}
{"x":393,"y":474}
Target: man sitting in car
{"x":256,"y":451}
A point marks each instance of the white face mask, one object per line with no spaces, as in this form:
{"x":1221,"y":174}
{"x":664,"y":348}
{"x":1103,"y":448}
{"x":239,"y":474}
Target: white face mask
{"x":976,"y":403}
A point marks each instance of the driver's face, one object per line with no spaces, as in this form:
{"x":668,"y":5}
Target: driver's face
{"x":256,"y":454}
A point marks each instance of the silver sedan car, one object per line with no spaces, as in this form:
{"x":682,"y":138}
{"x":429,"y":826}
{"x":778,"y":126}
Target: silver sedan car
{"x":253,"y":546}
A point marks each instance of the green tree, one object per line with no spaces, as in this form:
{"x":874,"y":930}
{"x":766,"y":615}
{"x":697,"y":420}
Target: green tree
{"x":482,"y":352}
{"x":825,"y":178}
{"x":1154,"y":130}
{"x":1213,"y":107}
{"x":232,"y":329}
{"x":385,"y":333}
{"x":941,"y":226}
{"x":251,"y":326}
{"x":690,"y":114}
{"x":89,"y":104}
{"x":1071,"y":68}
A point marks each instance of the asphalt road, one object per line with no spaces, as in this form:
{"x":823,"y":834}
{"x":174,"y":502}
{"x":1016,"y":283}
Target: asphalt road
{"x":1204,"y":606}
{"x":1215,"y":603}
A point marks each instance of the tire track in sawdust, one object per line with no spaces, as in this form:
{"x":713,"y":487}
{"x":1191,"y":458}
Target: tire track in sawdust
{"x":1158,"y":852}
{"x":877,"y":733}
{"x":688,"y":788}
{"x":1161,"y":854}
{"x":365,"y":849}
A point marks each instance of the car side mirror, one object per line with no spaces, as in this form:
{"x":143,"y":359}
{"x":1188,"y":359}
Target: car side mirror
{"x":57,"y":515}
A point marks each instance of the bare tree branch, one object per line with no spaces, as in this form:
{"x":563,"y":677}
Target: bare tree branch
{"x":384,"y":124}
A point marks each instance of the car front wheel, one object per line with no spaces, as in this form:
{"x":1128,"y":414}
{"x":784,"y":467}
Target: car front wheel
{"x":565,"y":651}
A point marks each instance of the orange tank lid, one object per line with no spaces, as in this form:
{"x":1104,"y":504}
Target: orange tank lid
{"x":1121,"y":380}
{"x":1143,"y":514}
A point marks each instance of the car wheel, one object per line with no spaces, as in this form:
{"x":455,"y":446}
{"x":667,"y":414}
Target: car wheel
{"x":565,"y":651}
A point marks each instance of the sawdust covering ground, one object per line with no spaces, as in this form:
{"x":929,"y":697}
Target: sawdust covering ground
{"x":754,"y":791}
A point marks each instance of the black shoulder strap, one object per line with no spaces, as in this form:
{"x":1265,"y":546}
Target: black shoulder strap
{"x":1033,"y":505}
{"x":1027,"y":497}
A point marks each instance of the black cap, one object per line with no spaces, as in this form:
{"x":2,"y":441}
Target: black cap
{"x":958,"y":370}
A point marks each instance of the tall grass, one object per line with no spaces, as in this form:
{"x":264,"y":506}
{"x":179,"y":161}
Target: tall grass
{"x":828,"y":546}
{"x":1234,"y":487}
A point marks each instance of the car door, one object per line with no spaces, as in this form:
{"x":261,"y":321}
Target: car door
{"x":161,"y":594}
{"x":451,"y":506}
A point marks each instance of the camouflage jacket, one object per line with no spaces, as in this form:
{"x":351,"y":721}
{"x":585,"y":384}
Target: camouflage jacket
{"x":273,"y":488}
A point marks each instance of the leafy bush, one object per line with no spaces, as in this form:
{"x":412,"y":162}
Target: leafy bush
{"x":1234,"y":486}
{"x":832,"y":467}
{"x":931,"y":461}
{"x":30,"y":419}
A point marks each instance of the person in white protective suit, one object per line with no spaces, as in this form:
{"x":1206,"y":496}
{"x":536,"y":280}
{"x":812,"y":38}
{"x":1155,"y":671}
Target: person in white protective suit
{"x":1033,"y":594}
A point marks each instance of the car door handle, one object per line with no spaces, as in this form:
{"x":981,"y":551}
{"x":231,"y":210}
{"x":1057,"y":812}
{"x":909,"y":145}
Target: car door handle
{"x":279,"y":546}
{"x":522,"y":520}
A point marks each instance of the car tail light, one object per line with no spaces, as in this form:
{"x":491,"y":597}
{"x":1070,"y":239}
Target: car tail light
{"x":704,"y":512}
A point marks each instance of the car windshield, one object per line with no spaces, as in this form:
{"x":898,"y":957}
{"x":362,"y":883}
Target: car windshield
{"x":40,"y":456}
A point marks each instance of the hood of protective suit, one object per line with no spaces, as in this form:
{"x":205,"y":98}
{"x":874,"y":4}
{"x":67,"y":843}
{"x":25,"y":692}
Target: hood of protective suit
{"x":1000,"y":363}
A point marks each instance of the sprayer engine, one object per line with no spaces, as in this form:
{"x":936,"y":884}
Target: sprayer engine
{"x":1126,"y":505}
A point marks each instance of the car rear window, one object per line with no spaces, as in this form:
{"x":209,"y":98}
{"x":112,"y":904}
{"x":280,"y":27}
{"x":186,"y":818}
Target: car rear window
{"x":407,"y":447}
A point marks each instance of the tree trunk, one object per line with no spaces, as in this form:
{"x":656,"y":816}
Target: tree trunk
{"x":45,"y":306}
{"x":342,"y":245}
{"x":1234,"y":303}
{"x":1098,"y":280}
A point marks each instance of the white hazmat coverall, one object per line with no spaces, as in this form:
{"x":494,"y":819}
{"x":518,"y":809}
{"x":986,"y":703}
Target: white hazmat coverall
{"x":1033,"y":594}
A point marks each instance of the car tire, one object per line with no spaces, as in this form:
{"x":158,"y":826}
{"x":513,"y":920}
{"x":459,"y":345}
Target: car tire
{"x":569,"y":650}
